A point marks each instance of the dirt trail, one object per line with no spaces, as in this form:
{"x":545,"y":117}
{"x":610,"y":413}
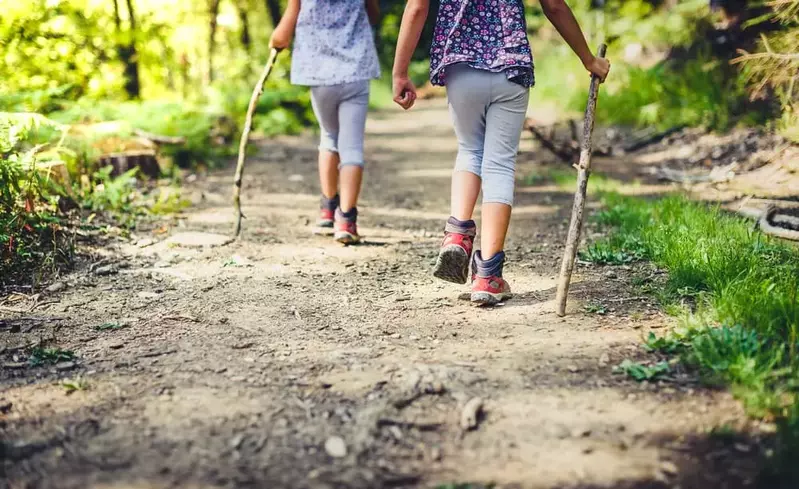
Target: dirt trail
{"x":234,"y":366}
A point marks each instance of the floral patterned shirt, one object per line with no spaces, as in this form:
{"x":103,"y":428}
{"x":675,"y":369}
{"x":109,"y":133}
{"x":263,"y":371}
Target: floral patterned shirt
{"x":487,"y":34}
{"x":333,"y":44}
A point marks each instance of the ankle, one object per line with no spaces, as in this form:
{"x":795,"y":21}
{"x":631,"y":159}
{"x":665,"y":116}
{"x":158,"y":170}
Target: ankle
{"x":455,"y":225}
{"x":349,"y":215}
{"x":489,"y":267}
{"x":329,"y":203}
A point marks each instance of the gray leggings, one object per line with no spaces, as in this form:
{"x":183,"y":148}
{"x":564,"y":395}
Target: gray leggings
{"x":488,"y":113}
{"x":341,"y":112}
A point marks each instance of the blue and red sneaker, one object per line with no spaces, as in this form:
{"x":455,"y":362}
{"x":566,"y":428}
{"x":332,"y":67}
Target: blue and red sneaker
{"x":488,"y":286}
{"x":346,"y":227}
{"x":452,"y":264}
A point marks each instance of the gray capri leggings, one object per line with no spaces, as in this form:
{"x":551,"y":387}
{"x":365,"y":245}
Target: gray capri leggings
{"x":488,"y":112}
{"x":341,"y":112}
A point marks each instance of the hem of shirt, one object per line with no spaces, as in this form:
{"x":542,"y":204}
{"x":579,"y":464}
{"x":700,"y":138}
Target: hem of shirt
{"x":435,"y":80}
{"x":306,"y":82}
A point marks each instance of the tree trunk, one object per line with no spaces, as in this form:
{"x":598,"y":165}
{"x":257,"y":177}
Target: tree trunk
{"x":273,"y":9}
{"x":246,"y":39}
{"x":127,"y":52}
{"x":213,"y":12}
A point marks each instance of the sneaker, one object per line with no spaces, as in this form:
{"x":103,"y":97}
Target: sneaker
{"x":346,"y":228}
{"x":452,"y":264}
{"x":326,"y":218}
{"x":327,"y":211}
{"x":490,"y":291}
{"x":488,"y":286}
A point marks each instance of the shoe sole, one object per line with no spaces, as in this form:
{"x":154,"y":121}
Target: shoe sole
{"x":452,"y":265}
{"x":483,"y":299}
{"x":346,"y":238}
{"x":323,"y":228}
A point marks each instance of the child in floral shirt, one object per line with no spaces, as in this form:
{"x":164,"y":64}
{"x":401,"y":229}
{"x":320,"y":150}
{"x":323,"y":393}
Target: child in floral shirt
{"x":480,"y":52}
{"x":335,"y":54}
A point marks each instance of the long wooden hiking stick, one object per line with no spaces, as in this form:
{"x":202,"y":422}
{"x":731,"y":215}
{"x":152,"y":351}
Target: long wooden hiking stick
{"x":583,"y":171}
{"x":245,"y":137}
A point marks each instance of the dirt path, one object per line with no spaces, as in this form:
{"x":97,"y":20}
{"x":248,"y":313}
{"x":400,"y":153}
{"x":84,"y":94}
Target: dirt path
{"x":234,"y":366}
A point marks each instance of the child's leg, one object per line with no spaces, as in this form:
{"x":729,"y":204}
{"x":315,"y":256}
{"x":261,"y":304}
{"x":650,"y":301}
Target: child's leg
{"x":328,"y":173}
{"x":504,"y":122}
{"x":352,"y":123}
{"x":468,"y":93}
{"x":325,"y":102}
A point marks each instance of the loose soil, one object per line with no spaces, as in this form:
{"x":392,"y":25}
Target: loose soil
{"x":285,"y":360}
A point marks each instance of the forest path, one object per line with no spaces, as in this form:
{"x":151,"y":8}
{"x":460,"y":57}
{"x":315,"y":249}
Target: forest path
{"x":287,"y":360}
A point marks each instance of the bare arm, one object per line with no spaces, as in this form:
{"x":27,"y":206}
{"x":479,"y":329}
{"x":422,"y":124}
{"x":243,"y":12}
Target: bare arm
{"x":284,"y":32}
{"x":373,"y":10}
{"x":413,"y":20}
{"x":562,"y":17}
{"x":410,"y":30}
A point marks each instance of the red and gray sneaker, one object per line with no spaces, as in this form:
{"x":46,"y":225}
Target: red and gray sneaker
{"x":327,"y":211}
{"x":326,"y":218}
{"x":490,"y":291}
{"x":345,"y":227}
{"x":488,"y":286}
{"x":452,"y":264}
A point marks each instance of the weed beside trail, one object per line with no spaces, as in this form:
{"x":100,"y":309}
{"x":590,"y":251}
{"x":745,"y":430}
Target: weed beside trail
{"x":735,"y":290}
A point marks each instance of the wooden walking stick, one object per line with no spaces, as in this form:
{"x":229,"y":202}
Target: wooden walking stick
{"x":583,"y":171}
{"x":245,"y":136}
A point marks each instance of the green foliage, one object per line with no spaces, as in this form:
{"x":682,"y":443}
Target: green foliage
{"x":640,"y":372}
{"x":744,"y":329}
{"x":776,"y":66}
{"x":74,"y":385}
{"x":596,"y":308}
{"x":668,"y":344}
{"x":47,"y":356}
{"x":108,"y":327}
{"x":28,"y":231}
{"x":697,"y":92}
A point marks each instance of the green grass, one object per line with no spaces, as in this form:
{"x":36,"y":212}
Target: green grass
{"x":735,"y":291}
{"x":641,"y":372}
{"x":108,"y":327}
{"x":47,"y":356}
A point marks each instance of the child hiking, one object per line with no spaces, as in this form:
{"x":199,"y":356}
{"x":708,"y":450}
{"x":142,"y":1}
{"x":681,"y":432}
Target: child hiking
{"x":334,"y":54}
{"x":480,"y":52}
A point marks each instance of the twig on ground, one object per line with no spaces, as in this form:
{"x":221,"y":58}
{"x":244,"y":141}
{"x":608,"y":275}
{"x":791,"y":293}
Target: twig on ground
{"x":421,"y":426}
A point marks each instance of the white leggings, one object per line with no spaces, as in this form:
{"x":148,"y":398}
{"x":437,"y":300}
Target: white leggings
{"x":488,"y":113}
{"x":341,"y":112}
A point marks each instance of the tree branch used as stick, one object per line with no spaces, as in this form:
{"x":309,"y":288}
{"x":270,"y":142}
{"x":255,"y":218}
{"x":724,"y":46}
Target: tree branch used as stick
{"x":245,"y":136}
{"x":583,"y":171}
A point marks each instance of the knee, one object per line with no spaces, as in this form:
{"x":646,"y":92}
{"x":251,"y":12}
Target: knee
{"x":351,"y":157}
{"x":497,"y":194}
{"x":499,"y":180}
{"x":328,"y":142}
{"x":469,"y":160}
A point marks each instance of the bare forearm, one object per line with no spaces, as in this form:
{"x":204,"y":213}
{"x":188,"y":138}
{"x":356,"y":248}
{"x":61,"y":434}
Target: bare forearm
{"x":562,"y":17}
{"x":373,"y":11}
{"x":289,"y":18}
{"x":413,"y":20}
